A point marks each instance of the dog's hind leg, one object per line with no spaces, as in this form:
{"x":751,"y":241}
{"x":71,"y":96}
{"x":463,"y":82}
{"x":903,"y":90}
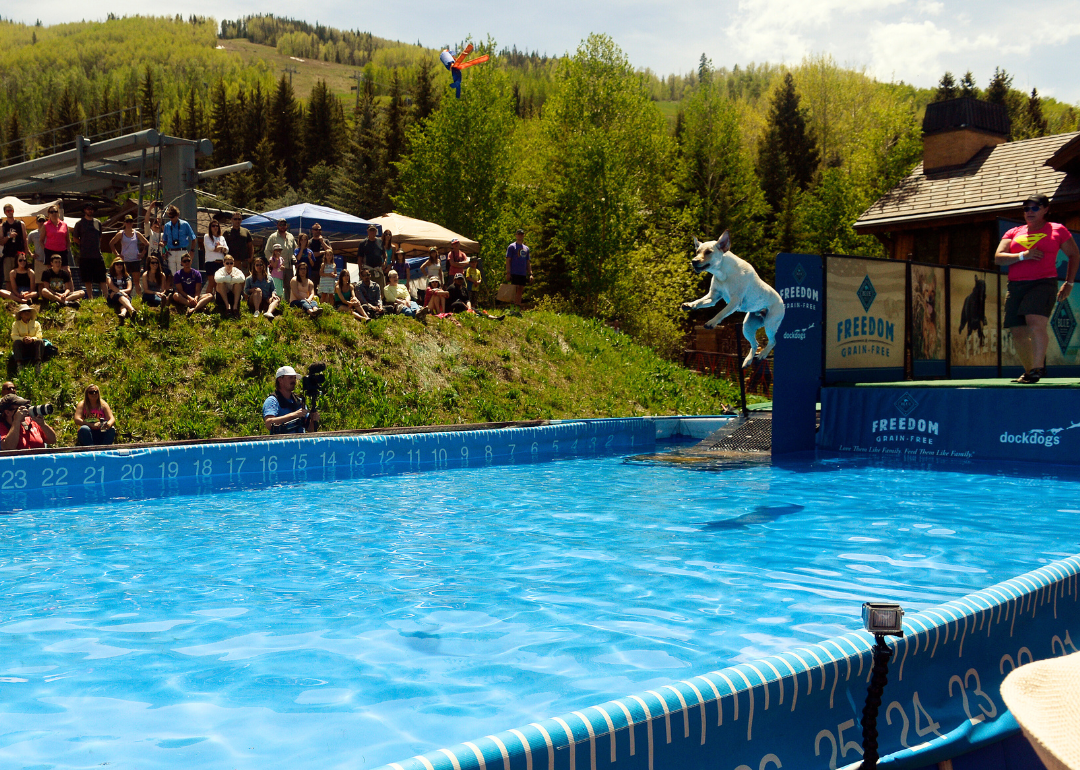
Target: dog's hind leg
{"x":751,"y":324}
{"x":773,"y":317}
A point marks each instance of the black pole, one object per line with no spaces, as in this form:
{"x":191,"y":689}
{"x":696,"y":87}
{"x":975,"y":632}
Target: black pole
{"x":882,"y":655}
{"x":739,"y":372}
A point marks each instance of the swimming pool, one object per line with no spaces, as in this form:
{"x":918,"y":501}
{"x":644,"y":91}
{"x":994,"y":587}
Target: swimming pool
{"x":358,"y":622}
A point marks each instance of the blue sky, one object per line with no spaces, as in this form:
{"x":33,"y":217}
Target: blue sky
{"x":914,"y":41}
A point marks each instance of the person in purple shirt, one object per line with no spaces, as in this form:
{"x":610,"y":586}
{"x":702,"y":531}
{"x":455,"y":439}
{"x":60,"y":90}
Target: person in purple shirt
{"x":188,"y":287}
{"x":518,"y":266}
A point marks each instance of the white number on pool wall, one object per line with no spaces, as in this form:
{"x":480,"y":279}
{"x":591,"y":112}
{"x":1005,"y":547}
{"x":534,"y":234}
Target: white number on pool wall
{"x":768,"y":759}
{"x":131,"y":472}
{"x":837,"y":740}
{"x":978,"y":691}
{"x":13,"y":480}
{"x":205,"y":468}
{"x":172,"y":468}
{"x":51,"y":478}
{"x":91,"y":473}
{"x":920,"y":714}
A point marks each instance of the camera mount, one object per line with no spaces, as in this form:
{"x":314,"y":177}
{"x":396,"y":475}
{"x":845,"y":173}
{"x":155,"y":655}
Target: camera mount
{"x":881,"y":620}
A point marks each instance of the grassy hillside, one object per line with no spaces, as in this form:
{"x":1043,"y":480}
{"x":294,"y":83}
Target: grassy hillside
{"x":177,"y":378}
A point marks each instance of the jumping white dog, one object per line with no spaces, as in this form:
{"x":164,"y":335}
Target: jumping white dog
{"x":736,"y":282}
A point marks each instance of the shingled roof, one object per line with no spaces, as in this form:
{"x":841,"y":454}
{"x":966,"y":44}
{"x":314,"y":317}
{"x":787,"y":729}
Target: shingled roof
{"x":994,"y":181}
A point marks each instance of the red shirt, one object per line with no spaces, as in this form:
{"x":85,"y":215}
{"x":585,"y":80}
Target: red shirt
{"x":28,"y":439}
{"x":455,"y":262}
{"x":1048,"y":239}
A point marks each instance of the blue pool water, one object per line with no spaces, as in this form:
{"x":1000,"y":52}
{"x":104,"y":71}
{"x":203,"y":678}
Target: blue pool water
{"x":353,"y":623}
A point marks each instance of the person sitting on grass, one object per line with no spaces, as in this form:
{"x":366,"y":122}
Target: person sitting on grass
{"x":229,"y":281}
{"x":436,"y":295}
{"x":18,"y":430}
{"x":260,"y":290}
{"x":155,"y":284}
{"x":97,"y":425}
{"x":457,"y":297}
{"x":302,"y":292}
{"x":397,"y":299}
{"x":370,"y":293}
{"x":120,"y":290}
{"x":345,"y":298}
{"x":22,"y":283}
{"x":188,"y":288}
{"x":327,"y":276}
{"x":26,"y":335}
{"x":54,"y":284}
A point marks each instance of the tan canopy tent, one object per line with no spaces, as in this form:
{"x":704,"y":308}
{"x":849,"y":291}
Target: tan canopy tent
{"x":415,"y":236}
{"x":28,"y":212}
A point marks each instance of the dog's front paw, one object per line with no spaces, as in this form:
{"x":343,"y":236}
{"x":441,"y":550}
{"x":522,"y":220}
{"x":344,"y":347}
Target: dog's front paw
{"x":686,"y":306}
{"x":710,"y":325}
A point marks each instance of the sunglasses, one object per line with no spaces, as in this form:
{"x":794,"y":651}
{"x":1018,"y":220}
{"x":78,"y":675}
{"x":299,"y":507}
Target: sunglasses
{"x":21,"y":259}
{"x":1032,"y":209}
{"x":228,"y":262}
{"x":155,"y":262}
{"x":185,"y":261}
{"x":91,"y":392}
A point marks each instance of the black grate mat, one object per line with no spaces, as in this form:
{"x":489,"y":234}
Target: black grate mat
{"x":749,"y":434}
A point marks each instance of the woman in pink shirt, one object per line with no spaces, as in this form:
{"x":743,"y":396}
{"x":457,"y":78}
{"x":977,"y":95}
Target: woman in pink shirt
{"x":1030,"y":251}
{"x":55,"y":238}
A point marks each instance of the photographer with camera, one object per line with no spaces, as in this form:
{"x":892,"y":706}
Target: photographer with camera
{"x":23,"y":426}
{"x":285,"y":411}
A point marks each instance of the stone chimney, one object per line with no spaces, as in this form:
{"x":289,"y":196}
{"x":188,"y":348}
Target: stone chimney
{"x":956,"y":129}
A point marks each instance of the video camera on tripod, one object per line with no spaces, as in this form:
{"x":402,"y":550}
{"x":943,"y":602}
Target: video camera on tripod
{"x":313,"y":382}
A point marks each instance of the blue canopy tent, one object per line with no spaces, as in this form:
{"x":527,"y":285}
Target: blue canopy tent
{"x":335,"y":224}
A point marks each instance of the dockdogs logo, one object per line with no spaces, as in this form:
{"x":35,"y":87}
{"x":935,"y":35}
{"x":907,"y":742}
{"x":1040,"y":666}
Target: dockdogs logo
{"x":1037,"y":436}
{"x":904,"y":429}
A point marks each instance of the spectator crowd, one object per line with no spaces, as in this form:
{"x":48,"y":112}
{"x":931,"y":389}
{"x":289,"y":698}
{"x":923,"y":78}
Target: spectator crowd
{"x":158,"y":270}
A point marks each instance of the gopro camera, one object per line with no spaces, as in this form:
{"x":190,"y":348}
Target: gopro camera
{"x":883,"y":619}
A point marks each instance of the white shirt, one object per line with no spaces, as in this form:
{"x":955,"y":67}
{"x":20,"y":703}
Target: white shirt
{"x":209,"y":243}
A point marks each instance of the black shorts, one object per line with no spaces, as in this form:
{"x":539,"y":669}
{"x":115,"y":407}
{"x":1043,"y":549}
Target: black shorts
{"x":114,"y":301}
{"x":519,"y":280}
{"x":92,"y":270}
{"x":1026,"y":298}
{"x":66,"y":257}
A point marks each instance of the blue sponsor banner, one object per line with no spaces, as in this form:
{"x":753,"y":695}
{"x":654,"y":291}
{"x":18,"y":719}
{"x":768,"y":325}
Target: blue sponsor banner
{"x":1031,"y":425}
{"x":797,"y":358}
{"x":802,"y":708}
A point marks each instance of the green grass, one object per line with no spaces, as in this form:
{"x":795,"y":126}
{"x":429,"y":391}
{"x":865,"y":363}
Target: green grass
{"x":169,"y":377}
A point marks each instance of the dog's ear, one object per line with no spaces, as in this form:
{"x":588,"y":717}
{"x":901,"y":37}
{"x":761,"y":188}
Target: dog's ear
{"x":697,"y":245}
{"x":724,"y":242}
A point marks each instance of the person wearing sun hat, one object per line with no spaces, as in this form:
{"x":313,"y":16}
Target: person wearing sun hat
{"x":1044,"y":698}
{"x":27,"y":337}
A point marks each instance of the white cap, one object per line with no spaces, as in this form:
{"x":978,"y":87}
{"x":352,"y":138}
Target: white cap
{"x":285,"y":371}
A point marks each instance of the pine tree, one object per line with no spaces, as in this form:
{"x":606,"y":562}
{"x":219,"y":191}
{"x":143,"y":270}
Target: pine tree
{"x":704,"y":69}
{"x":788,"y":152}
{"x":322,"y":127}
{"x":1034,"y":123}
{"x":68,"y":119}
{"x":946,"y":88}
{"x":222,"y":126}
{"x":359,"y":185}
{"x":318,"y":184}
{"x":16,"y":147}
{"x":998,"y":90}
{"x":967,"y":85}
{"x":265,"y":183}
{"x":149,"y":103}
{"x":286,"y":120}
{"x":193,"y":116}
{"x":254,"y":112}
{"x":394,"y":128}
{"x":424,"y":100}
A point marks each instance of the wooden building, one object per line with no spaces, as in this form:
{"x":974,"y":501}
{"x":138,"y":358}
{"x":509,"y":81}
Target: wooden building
{"x":952,"y":207}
